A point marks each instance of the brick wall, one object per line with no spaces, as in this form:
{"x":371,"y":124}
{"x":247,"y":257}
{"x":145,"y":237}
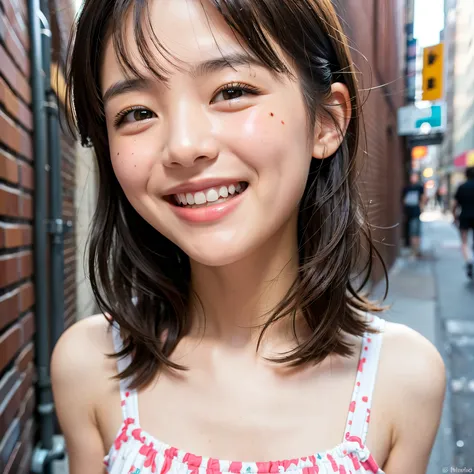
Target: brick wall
{"x":373,"y":34}
{"x":17,"y":326}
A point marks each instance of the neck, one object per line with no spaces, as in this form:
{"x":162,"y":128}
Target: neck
{"x":236,"y":300}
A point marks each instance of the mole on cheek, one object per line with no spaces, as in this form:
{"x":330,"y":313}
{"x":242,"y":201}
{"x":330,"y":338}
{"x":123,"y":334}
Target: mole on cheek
{"x":283,"y":123}
{"x":272,"y":114}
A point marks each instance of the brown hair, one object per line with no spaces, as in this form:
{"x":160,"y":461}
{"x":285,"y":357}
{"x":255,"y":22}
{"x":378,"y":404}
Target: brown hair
{"x":129,"y":259}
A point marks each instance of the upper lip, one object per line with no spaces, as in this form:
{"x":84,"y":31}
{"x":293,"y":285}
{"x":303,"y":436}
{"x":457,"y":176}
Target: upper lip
{"x":195,"y":186}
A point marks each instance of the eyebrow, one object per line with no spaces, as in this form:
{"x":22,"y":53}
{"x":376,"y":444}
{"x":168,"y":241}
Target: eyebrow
{"x":204,"y":68}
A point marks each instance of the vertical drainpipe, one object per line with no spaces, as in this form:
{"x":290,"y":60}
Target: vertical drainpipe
{"x":56,"y":226}
{"x":46,"y":450}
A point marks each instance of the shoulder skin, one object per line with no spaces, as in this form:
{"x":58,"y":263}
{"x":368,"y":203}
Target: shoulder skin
{"x":413,"y":380}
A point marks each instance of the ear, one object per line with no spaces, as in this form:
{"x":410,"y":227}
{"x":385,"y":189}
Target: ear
{"x":330,"y":127}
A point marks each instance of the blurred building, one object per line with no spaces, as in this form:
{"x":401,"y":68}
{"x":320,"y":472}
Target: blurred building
{"x":458,"y":146}
{"x":376,"y":34}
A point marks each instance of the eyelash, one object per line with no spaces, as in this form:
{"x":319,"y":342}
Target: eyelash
{"x":120,"y":117}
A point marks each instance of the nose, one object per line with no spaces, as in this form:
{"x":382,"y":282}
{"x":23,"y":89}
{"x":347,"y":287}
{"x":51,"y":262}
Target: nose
{"x":190,"y":136}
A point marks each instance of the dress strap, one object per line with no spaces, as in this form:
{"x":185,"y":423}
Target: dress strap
{"x":359,"y":410}
{"x":129,"y":398}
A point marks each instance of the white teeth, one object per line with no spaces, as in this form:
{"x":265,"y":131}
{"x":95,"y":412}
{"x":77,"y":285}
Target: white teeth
{"x":212,"y":195}
{"x":199,"y":198}
{"x":209,"y":195}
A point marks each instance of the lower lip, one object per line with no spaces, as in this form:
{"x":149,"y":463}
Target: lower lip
{"x":210,"y":213}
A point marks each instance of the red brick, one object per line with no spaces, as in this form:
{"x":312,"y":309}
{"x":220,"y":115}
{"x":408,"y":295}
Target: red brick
{"x":27,"y":296}
{"x":26,"y":206}
{"x":17,"y":23}
{"x":15,"y":107}
{"x":10,"y":343}
{"x":25,"y":357}
{"x":28,"y":327}
{"x":7,"y":382}
{"x":17,"y":51}
{"x":8,"y":168}
{"x":9,"y":308}
{"x":25,"y":464}
{"x":10,"y":270}
{"x":9,"y":202}
{"x":26,"y":176}
{"x":26,"y":264}
{"x":14,"y":77}
{"x":26,"y":381}
{"x":12,"y":236}
{"x":12,"y":406}
{"x":27,"y":407}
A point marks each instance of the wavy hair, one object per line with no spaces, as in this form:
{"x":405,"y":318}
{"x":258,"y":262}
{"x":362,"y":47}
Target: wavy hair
{"x":139,"y":277}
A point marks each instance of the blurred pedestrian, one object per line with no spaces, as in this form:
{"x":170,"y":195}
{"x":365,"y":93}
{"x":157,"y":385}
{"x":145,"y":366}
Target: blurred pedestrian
{"x":414,"y":200}
{"x":463,"y":212}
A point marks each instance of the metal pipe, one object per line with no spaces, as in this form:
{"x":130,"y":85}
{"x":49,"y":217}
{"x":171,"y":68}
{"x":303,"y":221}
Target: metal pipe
{"x":56,"y":225}
{"x":45,"y":402}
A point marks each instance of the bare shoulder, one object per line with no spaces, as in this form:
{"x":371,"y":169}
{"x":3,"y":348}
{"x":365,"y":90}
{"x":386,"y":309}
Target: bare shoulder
{"x":412,"y":362}
{"x":412,"y":380}
{"x":79,"y":356}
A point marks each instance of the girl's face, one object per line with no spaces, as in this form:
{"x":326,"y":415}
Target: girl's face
{"x":221,"y":119}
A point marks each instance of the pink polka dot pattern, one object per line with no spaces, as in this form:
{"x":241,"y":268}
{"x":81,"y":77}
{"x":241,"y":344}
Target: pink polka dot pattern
{"x":137,"y":452}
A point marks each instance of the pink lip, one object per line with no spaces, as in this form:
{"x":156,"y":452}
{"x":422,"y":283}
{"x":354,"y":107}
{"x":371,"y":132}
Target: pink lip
{"x":195,"y":186}
{"x":209,"y":213}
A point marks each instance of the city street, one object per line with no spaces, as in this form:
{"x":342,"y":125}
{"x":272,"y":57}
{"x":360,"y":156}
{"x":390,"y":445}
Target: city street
{"x":434,"y":297}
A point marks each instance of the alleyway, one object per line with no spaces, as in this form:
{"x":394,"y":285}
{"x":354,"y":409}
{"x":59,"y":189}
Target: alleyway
{"x":434,"y":297}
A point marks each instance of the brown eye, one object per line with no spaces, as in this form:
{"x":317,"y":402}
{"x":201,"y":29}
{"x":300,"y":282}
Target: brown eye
{"x":232,"y":93}
{"x":142,"y":114}
{"x":134,"y":115}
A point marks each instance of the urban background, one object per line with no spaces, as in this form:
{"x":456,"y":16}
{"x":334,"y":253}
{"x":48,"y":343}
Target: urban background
{"x":416,"y":63}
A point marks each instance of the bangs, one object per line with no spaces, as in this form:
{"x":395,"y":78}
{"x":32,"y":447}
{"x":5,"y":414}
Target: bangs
{"x":250,"y":34}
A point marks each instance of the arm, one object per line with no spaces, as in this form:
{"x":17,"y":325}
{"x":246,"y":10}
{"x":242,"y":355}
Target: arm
{"x":418,"y":373}
{"x":74,"y":376}
{"x":454,"y":210}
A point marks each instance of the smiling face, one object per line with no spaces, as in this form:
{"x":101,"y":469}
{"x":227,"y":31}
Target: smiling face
{"x":215,"y":123}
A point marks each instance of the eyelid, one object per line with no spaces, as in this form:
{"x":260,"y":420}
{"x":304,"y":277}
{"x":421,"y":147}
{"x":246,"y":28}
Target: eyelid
{"x":237,"y":85}
{"x":120,"y":117}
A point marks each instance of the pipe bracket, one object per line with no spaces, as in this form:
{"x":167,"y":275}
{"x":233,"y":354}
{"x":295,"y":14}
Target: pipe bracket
{"x":59,"y":227}
{"x":43,"y":457}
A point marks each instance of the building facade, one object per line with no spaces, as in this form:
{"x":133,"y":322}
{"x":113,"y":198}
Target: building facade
{"x":375,"y":34}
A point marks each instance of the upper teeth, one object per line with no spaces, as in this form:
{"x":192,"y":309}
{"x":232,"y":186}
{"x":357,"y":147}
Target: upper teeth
{"x":208,"y":195}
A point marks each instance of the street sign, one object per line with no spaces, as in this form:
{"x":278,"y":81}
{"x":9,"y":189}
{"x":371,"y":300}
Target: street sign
{"x":433,"y":61}
{"x":413,"y":120}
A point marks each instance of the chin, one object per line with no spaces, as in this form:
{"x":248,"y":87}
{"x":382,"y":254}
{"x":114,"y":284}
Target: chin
{"x":218,"y":251}
{"x":216,"y":255}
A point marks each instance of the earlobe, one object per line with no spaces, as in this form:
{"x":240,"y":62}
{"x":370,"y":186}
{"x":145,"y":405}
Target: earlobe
{"x":331,"y":125}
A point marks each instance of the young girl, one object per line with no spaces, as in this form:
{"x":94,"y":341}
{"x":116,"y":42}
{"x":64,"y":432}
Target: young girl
{"x":224,"y":253}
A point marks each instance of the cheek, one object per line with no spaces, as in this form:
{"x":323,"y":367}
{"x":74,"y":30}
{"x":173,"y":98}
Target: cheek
{"x":274,"y":138}
{"x":132,"y":163}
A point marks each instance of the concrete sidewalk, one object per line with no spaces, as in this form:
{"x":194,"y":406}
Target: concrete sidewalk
{"x":414,"y":301}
